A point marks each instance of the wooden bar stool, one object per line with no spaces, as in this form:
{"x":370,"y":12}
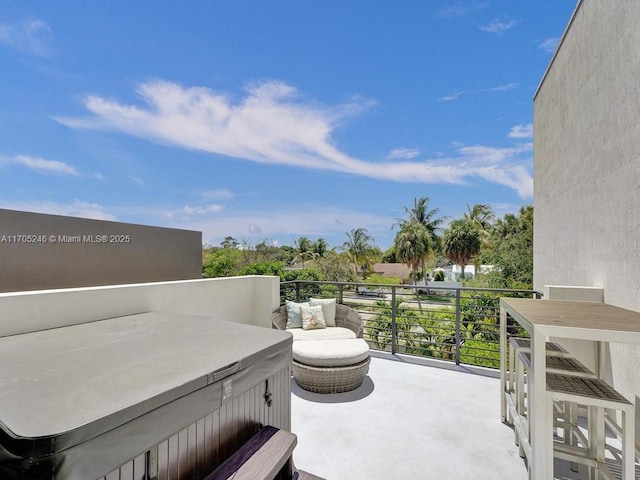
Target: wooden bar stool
{"x":516,"y":346}
{"x":596,"y":395}
{"x":566,"y":413}
{"x":561,"y":365}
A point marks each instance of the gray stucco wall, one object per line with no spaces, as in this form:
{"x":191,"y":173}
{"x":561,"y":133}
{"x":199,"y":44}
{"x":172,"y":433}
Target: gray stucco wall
{"x":587,"y":165}
{"x":39,"y":251}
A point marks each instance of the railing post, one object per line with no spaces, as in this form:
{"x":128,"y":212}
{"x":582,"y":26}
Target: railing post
{"x":298,"y":291}
{"x":394,"y":333}
{"x":457,"y":326}
{"x":340,"y":292}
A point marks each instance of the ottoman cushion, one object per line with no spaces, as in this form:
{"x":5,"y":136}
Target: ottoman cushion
{"x":329,"y":333}
{"x":331,"y":353}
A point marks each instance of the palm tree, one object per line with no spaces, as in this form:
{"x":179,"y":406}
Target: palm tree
{"x":462,"y":242}
{"x":421,"y":213}
{"x":413,"y":247}
{"x":482,"y":216}
{"x":304,"y":247}
{"x":320,"y":247}
{"x":360,"y":249}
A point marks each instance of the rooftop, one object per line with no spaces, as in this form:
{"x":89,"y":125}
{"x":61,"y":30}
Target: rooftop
{"x":406,"y":421}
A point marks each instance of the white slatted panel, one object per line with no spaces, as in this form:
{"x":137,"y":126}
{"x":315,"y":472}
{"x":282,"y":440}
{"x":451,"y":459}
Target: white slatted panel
{"x":196,"y":450}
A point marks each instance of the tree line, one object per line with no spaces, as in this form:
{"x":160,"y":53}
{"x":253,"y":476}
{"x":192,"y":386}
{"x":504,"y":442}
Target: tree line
{"x":423,"y":240}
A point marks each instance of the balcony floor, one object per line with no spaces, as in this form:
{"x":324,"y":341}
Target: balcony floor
{"x":406,"y":421}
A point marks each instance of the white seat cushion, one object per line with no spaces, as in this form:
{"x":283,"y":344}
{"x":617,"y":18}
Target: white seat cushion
{"x":331,"y":353}
{"x":329,"y":333}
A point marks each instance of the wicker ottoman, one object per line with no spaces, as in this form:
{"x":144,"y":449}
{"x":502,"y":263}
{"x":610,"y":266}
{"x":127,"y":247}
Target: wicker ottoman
{"x":330,"y":366}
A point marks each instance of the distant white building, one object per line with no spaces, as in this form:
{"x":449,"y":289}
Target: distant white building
{"x":453,"y":273}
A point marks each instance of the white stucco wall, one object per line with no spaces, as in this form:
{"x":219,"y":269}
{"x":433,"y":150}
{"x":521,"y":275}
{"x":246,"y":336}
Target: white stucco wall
{"x":587,"y":165}
{"x":249,"y":300}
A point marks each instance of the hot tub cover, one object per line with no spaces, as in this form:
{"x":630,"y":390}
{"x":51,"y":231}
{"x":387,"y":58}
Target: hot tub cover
{"x":64,"y":386}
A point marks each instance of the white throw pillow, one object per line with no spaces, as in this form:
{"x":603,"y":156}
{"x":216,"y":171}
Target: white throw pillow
{"x":294,"y":319}
{"x":328,"y":309}
{"x":312,"y":317}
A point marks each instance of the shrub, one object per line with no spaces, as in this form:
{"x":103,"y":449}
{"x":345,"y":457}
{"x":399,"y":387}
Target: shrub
{"x":306,"y":289}
{"x":264,"y":268}
{"x":376,"y":278}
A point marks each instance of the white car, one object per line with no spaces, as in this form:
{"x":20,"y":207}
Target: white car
{"x":374,"y":293}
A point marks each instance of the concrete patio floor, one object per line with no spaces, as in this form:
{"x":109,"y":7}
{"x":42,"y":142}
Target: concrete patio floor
{"x":406,"y":421}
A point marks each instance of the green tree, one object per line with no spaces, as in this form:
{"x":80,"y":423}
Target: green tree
{"x":287,"y":254}
{"x":304,"y":248}
{"x":482,"y":216}
{"x":224,"y":262}
{"x":335,"y":267}
{"x":320,"y":247}
{"x":307,"y":290}
{"x":421,"y":213}
{"x":264,"y":268}
{"x":268,"y":252}
{"x":361,"y":250}
{"x":389,"y":256}
{"x":511,"y":250}
{"x":462,"y":242}
{"x":229,"y":242}
{"x":413,"y":247}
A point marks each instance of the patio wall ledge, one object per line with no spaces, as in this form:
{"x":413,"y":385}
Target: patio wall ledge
{"x":248,"y":300}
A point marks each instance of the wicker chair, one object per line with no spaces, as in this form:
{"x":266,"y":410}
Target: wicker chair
{"x":345,"y":317}
{"x":328,"y":379}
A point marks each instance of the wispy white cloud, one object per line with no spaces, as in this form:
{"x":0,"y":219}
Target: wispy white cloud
{"x":273,"y":125}
{"x":480,"y":154}
{"x":137,"y":180}
{"x":215,"y":208}
{"x":42,"y":165}
{"x":521,"y":131}
{"x":550,"y":44}
{"x":402,"y":152}
{"x":460,"y":9}
{"x":77,"y":208}
{"x":32,"y":37}
{"x":498,"y":26}
{"x":285,"y":223}
{"x":503,"y":88}
{"x":220,"y":193}
{"x":452,"y":96}
{"x":459,"y":93}
{"x":269,"y":125}
{"x":503,"y":166}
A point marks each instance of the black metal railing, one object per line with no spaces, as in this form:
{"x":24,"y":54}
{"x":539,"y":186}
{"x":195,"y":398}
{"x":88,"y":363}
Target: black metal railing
{"x":451,"y":323}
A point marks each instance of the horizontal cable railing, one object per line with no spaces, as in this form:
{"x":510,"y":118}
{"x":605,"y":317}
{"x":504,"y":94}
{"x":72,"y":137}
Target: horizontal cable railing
{"x":456,"y":324}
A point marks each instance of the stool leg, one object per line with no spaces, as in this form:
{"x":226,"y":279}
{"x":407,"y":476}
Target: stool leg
{"x":571,"y":417}
{"x":600,"y":432}
{"x":628,"y":444}
{"x":596,"y":437}
{"x":510,"y":377}
{"x":520,"y":408}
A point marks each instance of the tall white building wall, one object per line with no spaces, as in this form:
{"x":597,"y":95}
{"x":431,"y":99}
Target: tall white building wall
{"x":587,"y":165}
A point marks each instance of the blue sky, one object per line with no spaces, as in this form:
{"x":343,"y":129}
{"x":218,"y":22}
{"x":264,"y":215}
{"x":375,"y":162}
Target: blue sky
{"x":269,"y":120}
